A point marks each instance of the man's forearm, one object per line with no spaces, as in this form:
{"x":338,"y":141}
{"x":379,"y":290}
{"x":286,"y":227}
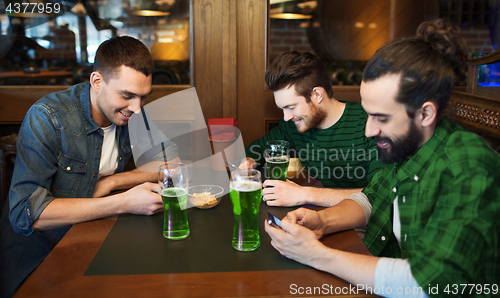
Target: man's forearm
{"x":63,"y":212}
{"x":354,"y":268}
{"x":142,"y":199}
{"x":346,"y":215}
{"x":328,"y":197}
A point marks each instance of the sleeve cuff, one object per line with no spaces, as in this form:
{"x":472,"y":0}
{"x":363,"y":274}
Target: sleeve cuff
{"x":363,"y":202}
{"x":394,"y":277}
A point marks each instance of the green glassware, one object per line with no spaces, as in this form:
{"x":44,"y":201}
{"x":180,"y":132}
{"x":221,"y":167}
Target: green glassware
{"x":173,"y":180}
{"x":246,"y":197}
{"x":277,"y":155}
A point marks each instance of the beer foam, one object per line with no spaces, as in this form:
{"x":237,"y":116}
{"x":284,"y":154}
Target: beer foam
{"x":278,"y":160}
{"x":245,"y":186}
{"x":179,"y":191}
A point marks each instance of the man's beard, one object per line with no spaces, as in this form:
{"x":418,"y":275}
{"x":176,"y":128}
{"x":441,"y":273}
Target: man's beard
{"x":315,"y":118}
{"x":401,"y":148}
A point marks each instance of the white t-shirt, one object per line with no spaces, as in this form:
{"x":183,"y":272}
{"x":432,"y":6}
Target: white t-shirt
{"x":109,"y":154}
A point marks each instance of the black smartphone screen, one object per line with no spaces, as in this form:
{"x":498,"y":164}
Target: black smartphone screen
{"x":273,"y":220}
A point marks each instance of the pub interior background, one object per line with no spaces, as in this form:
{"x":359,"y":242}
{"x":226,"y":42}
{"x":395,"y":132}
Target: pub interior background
{"x":222,"y":47}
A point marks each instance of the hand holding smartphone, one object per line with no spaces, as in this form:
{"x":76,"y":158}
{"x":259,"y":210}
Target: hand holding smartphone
{"x":273,"y":220}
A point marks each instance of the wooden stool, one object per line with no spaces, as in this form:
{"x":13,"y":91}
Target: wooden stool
{"x":7,"y":158}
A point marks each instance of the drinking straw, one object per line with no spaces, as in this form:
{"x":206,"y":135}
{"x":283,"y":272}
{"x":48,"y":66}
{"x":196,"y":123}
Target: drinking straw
{"x":151,"y":136}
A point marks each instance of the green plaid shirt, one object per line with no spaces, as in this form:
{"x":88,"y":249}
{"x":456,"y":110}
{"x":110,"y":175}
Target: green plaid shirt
{"x":449,"y":205}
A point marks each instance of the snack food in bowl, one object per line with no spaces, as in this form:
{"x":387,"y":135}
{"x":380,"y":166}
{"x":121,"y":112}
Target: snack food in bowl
{"x":205,"y":196}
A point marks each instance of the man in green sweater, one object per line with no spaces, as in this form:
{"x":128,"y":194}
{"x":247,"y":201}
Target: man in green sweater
{"x":326,"y":134}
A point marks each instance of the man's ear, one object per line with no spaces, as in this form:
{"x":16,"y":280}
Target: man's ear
{"x":95,"y":80}
{"x":428,"y":114}
{"x":317,"y":95}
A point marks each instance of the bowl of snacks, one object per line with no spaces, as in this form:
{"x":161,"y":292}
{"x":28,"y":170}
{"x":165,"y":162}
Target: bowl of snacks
{"x":205,"y":196}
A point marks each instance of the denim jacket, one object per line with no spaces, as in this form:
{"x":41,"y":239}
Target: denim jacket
{"x":58,"y":154}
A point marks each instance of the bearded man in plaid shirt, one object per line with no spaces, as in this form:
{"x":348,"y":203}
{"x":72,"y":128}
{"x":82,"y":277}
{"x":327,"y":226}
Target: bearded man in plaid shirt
{"x":432,"y":212}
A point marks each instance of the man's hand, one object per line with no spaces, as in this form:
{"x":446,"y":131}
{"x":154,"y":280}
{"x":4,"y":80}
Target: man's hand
{"x":143,"y":199}
{"x":296,"y":242}
{"x":308,"y":218}
{"x":248,"y":163}
{"x":286,"y":194}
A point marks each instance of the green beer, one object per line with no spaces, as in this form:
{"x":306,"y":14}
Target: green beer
{"x":246,"y":198}
{"x":277,"y":167}
{"x":175,"y":222}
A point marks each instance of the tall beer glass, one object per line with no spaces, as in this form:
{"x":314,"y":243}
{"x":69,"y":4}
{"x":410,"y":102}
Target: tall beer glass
{"x":174,"y":182}
{"x":277,"y":156}
{"x":246,"y":197}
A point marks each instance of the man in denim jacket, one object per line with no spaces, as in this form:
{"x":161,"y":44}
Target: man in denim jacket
{"x":72,"y":148}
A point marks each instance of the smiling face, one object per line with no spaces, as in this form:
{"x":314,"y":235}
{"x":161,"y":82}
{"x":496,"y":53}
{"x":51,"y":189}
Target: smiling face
{"x":396,"y":134}
{"x":115,"y":101}
{"x":295,"y":108}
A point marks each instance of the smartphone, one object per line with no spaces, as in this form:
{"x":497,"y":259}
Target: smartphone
{"x":273,"y":220}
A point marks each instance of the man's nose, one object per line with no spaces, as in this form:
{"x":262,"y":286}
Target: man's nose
{"x":287,"y":115}
{"x":135,"y":105}
{"x":371,"y":128}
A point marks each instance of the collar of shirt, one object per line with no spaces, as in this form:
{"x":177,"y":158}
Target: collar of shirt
{"x":91,"y":125}
{"x":415,"y":167}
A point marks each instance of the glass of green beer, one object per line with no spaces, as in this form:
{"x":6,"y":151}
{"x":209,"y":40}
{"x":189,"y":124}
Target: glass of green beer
{"x":246,"y":197}
{"x":174,"y":182}
{"x":277,"y":156}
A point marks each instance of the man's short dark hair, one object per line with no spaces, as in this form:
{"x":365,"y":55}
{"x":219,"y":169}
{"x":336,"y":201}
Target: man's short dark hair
{"x":122,"y":50}
{"x":429,"y":65}
{"x":302,"y":70}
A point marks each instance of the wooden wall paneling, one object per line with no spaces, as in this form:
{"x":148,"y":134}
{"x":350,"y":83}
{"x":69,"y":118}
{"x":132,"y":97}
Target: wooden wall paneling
{"x":16,"y":100}
{"x":272,"y":111}
{"x":342,"y":38}
{"x":229,"y":60}
{"x":252,"y":43}
{"x":347,"y":93}
{"x":408,"y":14}
{"x":208,"y":30}
{"x":159,"y":91}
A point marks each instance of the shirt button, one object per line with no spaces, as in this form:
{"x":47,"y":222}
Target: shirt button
{"x":404,"y":199}
{"x":394,"y":189}
{"x":97,"y":147}
{"x":383,"y":238}
{"x":415,"y":178}
{"x":93,"y":175}
{"x":405,"y":237}
{"x":120,"y":158}
{"x":68,"y":168}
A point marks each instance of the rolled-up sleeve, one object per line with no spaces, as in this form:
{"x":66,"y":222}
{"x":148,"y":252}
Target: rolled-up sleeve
{"x":35,"y":165}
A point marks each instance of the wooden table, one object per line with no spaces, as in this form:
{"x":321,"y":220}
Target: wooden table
{"x":62,"y":273}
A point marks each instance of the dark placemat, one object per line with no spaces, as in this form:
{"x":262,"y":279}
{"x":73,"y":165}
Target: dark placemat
{"x":135,"y":245}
